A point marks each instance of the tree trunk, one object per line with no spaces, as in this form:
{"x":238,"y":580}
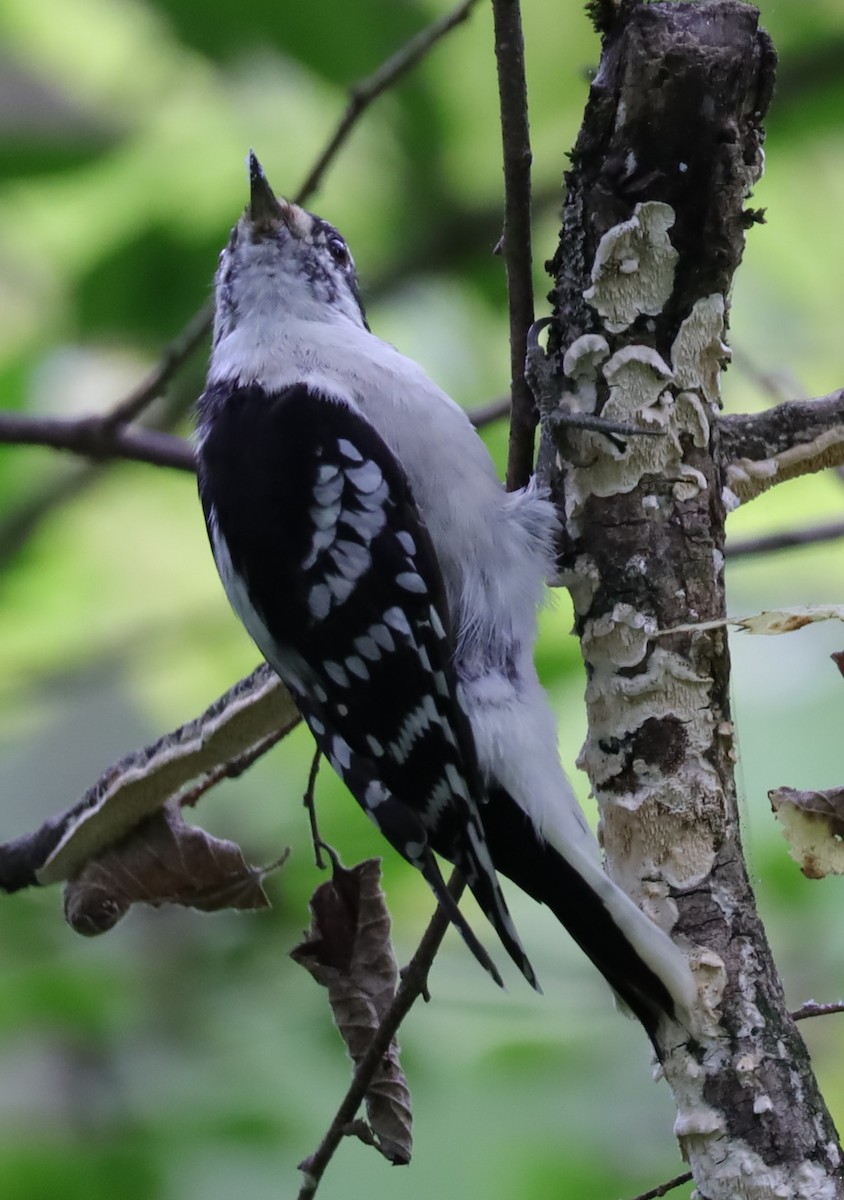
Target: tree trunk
{"x":654,"y":226}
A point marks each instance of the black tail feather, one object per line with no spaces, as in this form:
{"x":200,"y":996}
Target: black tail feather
{"x":538,"y":869}
{"x":431,"y":871}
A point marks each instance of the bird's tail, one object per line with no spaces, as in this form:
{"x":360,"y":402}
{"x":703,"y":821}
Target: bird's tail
{"x":636,"y":958}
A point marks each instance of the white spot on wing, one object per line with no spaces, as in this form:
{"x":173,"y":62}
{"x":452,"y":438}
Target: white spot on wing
{"x":367,"y":647}
{"x":374,"y":500}
{"x":396,"y":619}
{"x":334,"y":671}
{"x":375,"y":746}
{"x":415,"y":725}
{"x":367,"y":478}
{"x":323,"y":538}
{"x":349,"y":451}
{"x":456,"y":781}
{"x":341,"y":588}
{"x":341,"y":752}
{"x":407,"y":542}
{"x":357,"y":666}
{"x":375,"y":794}
{"x":327,"y":472}
{"x":316,"y":725}
{"x":411,"y":582}
{"x":367,"y":525}
{"x":319,"y":601}
{"x":382,"y":635}
{"x":351,"y":559}
{"x":325,"y":517}
{"x":436,"y":623}
{"x":329,"y":492}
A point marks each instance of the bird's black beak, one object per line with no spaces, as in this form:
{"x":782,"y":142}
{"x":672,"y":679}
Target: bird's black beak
{"x":265,"y":210}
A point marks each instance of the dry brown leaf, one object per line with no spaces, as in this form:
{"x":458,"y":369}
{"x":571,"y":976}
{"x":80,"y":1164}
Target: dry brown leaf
{"x":349,"y":952}
{"x":163,"y":861}
{"x":813,"y":824}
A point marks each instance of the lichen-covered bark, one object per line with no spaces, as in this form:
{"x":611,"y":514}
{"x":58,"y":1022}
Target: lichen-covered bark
{"x":654,"y":226}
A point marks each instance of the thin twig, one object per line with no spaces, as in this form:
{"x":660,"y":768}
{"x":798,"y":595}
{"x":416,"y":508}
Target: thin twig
{"x":97,"y":438}
{"x":362,"y":94}
{"x":813,"y":535}
{"x":812,"y":1009}
{"x":486,"y":414}
{"x":174,"y":356}
{"x":309,"y":801}
{"x":412,"y":986}
{"x":665,"y":1188}
{"x":107,"y":437}
{"x":515,"y":136}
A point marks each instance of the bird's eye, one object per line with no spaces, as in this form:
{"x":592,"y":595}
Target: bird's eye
{"x":338,"y":251}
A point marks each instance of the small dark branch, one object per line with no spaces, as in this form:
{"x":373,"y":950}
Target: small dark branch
{"x":515,"y":136}
{"x":814,"y":535}
{"x":413,"y":984}
{"x":665,"y":1188}
{"x":812,"y":1009}
{"x":174,"y":356}
{"x":309,"y":801}
{"x":366,"y":90}
{"x":487,"y":414}
{"x":758,"y":450}
{"x":97,"y":438}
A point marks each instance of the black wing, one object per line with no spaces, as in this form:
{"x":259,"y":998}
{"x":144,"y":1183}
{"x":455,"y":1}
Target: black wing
{"x":327,"y":561}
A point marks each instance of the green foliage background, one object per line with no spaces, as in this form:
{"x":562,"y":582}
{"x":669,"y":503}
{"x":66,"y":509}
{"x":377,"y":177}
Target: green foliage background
{"x":185,"y":1057}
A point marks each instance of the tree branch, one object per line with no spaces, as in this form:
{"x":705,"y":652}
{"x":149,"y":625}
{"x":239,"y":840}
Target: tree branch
{"x":365,"y":91}
{"x":413,"y":985}
{"x":759,"y":450}
{"x":516,"y":240}
{"x":97,"y":438}
{"x":174,"y":356}
{"x":786,"y":539}
{"x":654,"y":226}
{"x":182,"y":765}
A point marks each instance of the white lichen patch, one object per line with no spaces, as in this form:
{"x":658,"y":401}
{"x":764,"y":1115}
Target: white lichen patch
{"x":633,"y":271}
{"x":582,"y":582}
{"x":711,"y":978}
{"x":699,"y":351}
{"x":747,"y":478}
{"x":623,"y":634}
{"x":584,"y":356}
{"x":693,"y":417}
{"x":647,"y":831}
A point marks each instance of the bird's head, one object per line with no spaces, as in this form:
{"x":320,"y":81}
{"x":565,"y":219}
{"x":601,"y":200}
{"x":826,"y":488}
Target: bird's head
{"x":282,"y":261}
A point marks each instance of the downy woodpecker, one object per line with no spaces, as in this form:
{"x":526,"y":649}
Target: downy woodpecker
{"x":366,"y":544}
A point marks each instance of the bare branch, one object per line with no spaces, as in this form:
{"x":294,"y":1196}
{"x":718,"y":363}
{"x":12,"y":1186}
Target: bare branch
{"x":665,"y":1188}
{"x":97,"y":438}
{"x":413,"y":985}
{"x":365,"y":91}
{"x":812,"y":1009}
{"x":174,"y":356}
{"x":786,"y":539}
{"x":100,"y":439}
{"x":759,"y":450}
{"x":516,"y":241}
{"x":487,"y":414}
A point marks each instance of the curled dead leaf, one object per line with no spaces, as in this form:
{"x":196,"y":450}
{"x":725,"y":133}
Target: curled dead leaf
{"x":163,"y":861}
{"x":813,"y":824}
{"x":348,"y":950}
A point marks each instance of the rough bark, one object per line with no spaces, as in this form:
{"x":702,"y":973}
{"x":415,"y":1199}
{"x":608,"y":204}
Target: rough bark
{"x":654,"y":226}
